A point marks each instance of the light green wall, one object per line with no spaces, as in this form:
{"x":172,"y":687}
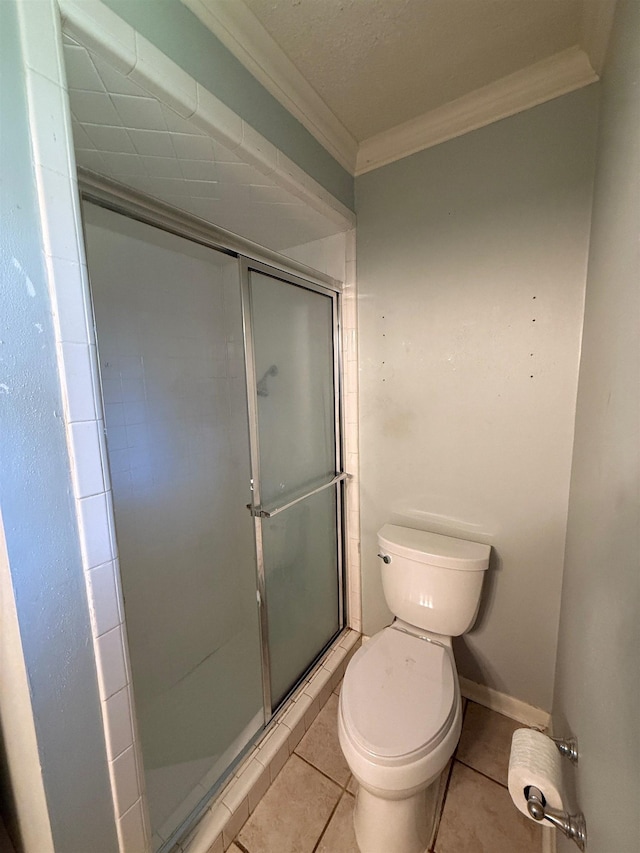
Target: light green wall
{"x":176,"y":31}
{"x":471,"y":276}
{"x":36,"y":500}
{"x":597,"y":688}
{"x":22,"y":801}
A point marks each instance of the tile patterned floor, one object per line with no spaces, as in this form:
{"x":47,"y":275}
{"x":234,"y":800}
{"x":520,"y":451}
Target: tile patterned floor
{"x":309,"y":807}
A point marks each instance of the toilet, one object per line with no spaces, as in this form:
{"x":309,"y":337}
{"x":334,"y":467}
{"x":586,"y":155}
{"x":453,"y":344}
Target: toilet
{"x":400,"y":711}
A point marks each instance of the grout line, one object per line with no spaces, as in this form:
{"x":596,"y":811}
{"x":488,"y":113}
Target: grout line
{"x":444,"y":800}
{"x":480,"y":773}
{"x":343,"y":791}
{"x":309,"y":764}
{"x":240,"y":845}
{"x":326,"y":826}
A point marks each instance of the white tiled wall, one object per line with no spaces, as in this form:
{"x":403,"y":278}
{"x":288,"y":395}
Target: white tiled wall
{"x":67,"y":273}
{"x":54,"y":157}
{"x":352,"y":451}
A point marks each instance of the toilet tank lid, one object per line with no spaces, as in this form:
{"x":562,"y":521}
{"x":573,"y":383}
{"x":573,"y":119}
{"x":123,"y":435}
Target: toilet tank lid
{"x":433,"y":548}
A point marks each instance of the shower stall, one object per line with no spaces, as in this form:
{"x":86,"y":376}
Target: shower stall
{"x":221,"y":393}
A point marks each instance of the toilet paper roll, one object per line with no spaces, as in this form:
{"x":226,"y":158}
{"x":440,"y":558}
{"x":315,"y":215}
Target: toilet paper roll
{"x":535,"y":760}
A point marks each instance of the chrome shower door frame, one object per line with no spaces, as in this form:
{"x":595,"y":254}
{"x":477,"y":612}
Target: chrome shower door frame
{"x":256,"y":509}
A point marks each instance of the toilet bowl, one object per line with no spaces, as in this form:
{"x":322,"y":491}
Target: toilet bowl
{"x":400,"y":712}
{"x":399,"y":722}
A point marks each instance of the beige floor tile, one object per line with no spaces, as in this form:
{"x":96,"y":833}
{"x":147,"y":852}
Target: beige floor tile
{"x":293,"y":812}
{"x":479,"y":817}
{"x":352,"y":787}
{"x":485,"y":742}
{"x":234,"y":849}
{"x":339,"y":836}
{"x":320,"y":745}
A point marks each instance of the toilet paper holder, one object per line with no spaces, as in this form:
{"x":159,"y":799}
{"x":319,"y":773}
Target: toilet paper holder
{"x":531,"y":775}
{"x":567,"y":746}
{"x":573,"y":826}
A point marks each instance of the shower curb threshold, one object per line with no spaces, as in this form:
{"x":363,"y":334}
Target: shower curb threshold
{"x":232,"y":806}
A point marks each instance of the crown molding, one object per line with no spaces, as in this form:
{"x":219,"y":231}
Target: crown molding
{"x":241,"y":33}
{"x":561,"y":73}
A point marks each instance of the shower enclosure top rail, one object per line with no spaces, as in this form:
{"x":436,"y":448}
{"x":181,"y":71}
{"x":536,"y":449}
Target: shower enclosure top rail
{"x":115,"y":196}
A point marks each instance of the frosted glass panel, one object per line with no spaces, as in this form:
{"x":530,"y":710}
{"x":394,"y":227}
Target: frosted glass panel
{"x":294,"y":364}
{"x":300,"y":556}
{"x":293,"y":345}
{"x":169,"y":330}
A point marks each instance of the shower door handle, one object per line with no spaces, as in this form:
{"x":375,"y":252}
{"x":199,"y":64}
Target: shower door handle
{"x":258,"y":512}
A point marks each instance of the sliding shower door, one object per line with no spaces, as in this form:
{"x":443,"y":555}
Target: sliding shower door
{"x":296,"y":469}
{"x":169,"y":331}
{"x":219,"y":379}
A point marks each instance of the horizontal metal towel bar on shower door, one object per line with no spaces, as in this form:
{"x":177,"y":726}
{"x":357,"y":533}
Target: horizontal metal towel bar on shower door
{"x":263,"y":513}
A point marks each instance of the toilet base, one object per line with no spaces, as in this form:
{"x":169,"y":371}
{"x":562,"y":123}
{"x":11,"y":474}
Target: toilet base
{"x":395,"y":826}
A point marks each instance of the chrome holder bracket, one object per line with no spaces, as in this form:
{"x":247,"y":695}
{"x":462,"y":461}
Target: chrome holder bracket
{"x":568,"y":746}
{"x":573,"y":826}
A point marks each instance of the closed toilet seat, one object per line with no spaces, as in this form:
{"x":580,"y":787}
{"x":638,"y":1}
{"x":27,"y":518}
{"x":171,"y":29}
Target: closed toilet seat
{"x":399,"y":699}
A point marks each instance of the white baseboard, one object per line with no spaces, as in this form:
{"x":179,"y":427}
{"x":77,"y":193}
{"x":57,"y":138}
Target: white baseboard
{"x":503,"y":704}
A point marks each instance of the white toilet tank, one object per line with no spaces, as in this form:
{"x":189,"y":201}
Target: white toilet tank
{"x":432,"y":581}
